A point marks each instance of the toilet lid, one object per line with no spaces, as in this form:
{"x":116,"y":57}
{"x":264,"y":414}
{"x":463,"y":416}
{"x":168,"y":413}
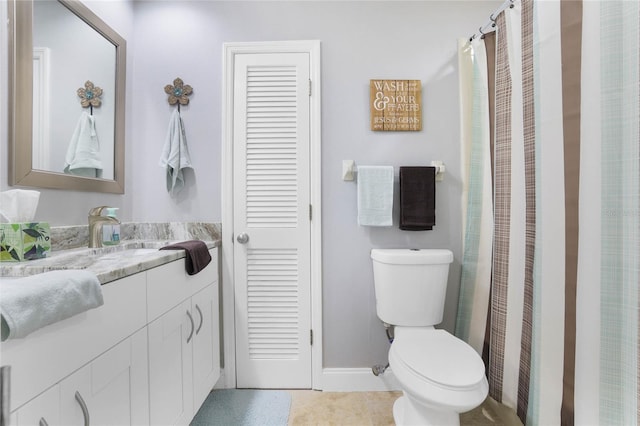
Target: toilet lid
{"x":440,"y":357}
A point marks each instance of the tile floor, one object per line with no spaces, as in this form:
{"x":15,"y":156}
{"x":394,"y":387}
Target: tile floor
{"x":375,"y":409}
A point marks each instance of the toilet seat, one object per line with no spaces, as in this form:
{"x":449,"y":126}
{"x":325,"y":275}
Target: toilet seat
{"x":439,"y":358}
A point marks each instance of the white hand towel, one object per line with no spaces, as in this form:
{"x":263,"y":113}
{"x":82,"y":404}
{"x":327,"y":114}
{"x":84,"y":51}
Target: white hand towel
{"x":375,"y":195}
{"x":83,"y":155}
{"x":33,"y":302}
{"x":175,"y":154}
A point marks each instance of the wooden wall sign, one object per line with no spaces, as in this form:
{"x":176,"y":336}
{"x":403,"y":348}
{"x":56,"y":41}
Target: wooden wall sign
{"x":396,"y":105}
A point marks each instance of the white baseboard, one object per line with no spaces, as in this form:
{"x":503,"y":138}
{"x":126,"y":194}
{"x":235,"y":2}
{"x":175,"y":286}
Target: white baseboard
{"x":346,"y":380}
{"x":357,"y":380}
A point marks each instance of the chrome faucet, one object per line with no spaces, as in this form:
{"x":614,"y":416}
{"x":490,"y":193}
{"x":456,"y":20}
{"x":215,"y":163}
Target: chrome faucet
{"x":96,"y":220}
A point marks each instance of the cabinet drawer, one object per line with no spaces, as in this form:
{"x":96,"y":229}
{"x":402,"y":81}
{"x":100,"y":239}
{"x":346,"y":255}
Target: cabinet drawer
{"x":53,"y":352}
{"x":169,"y":285}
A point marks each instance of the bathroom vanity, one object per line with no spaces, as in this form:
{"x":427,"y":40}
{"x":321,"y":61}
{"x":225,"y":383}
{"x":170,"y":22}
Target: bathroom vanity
{"x":148,"y":356}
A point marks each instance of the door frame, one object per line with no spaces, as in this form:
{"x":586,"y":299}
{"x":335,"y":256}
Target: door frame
{"x":312,"y":47}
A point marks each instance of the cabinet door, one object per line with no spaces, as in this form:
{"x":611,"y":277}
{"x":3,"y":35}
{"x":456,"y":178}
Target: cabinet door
{"x":206,"y":343}
{"x":170,"y":366}
{"x":42,"y":410}
{"x":111,"y":389}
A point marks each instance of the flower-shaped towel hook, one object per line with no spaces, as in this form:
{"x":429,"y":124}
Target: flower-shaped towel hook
{"x":89,"y":95}
{"x":178,"y":92}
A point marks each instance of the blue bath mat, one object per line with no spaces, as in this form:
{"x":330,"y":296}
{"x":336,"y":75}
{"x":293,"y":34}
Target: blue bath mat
{"x":244,"y":407}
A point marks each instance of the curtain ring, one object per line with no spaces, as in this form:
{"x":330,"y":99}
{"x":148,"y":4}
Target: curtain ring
{"x":493,"y":21}
{"x":480,"y":31}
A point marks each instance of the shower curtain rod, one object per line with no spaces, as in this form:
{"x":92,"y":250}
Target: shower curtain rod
{"x":491,"y":25}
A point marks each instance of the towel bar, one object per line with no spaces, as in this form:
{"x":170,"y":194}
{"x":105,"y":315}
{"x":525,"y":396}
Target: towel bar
{"x":349,"y":170}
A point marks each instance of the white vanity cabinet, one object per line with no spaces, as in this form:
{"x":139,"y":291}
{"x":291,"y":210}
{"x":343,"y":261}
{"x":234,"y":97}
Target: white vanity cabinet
{"x":148,"y":356}
{"x":53,"y":353}
{"x":184,"y":360}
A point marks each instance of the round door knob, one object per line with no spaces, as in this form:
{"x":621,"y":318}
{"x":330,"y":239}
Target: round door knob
{"x":243,"y":238}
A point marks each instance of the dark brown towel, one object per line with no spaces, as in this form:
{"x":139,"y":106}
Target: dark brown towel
{"x":197,"y":255}
{"x":417,"y":198}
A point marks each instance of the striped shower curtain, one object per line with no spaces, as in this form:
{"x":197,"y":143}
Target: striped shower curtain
{"x":550,"y":143}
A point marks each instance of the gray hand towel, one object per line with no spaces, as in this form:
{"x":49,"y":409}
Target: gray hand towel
{"x":83,"y":154}
{"x":175,"y":154}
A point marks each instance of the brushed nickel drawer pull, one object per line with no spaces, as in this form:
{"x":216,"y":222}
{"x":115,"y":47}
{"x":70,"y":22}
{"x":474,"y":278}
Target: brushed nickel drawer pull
{"x":201,"y":319}
{"x":192,"y":327}
{"x":83,"y":407}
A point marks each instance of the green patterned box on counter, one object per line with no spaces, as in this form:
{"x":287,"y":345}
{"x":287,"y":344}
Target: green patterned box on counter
{"x":24,"y":241}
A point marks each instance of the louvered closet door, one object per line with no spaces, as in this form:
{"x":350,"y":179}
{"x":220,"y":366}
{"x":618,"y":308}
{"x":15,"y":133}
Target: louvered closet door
{"x":271,"y":206}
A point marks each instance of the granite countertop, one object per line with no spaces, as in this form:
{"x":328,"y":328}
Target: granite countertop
{"x":108,"y":263}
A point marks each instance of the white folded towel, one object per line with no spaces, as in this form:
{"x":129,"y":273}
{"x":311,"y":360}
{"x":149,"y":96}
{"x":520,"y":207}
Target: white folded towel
{"x":175,"y":154}
{"x":30,"y":303}
{"x":83,"y":154}
{"x":375,"y":195}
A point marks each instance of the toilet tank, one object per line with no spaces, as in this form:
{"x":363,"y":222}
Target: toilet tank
{"x":410,"y":285}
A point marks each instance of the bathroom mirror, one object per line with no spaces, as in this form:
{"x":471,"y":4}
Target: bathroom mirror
{"x":55,"y":48}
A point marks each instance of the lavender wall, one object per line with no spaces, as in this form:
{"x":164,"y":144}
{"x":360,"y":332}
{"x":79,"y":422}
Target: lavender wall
{"x":61,"y":207}
{"x":361,"y":40}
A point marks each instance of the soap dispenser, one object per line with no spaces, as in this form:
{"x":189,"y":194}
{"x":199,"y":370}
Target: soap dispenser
{"x":111,"y":230}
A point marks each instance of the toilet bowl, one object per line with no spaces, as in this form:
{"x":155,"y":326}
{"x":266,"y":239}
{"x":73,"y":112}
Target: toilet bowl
{"x":440,"y":375}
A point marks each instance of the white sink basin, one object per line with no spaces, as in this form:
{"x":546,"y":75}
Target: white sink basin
{"x":123,"y":254}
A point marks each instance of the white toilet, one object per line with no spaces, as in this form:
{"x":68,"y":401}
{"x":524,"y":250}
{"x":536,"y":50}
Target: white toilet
{"x":440,"y":375}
